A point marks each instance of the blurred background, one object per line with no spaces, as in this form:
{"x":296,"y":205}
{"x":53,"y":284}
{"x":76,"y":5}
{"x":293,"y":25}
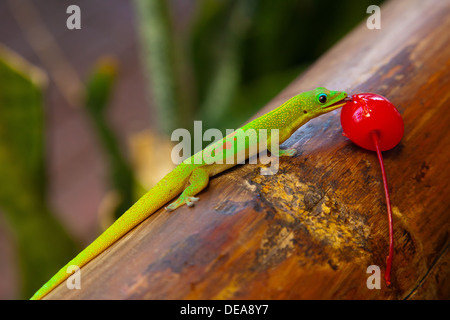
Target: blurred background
{"x":86,"y":114}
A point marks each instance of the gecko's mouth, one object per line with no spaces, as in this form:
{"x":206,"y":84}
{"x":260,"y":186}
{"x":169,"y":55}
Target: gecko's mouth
{"x":339,"y":103}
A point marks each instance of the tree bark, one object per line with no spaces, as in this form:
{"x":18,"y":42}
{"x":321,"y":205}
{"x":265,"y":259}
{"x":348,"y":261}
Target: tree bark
{"x":312,"y":230}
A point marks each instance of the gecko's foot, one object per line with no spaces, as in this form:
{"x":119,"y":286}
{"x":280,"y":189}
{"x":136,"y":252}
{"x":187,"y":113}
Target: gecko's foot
{"x":287,"y":153}
{"x":189,"y":201}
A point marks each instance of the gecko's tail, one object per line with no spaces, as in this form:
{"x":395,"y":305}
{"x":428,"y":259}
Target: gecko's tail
{"x":165,"y":190}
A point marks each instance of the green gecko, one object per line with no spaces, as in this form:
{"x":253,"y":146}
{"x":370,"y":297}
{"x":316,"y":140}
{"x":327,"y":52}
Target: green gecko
{"x":191,"y":177}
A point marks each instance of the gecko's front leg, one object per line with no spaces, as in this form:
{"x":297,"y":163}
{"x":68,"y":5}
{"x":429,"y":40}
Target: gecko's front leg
{"x":287,"y":152}
{"x":283,"y":152}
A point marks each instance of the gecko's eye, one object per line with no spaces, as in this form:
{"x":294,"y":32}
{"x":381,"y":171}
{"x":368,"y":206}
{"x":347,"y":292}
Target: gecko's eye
{"x":322,"y":98}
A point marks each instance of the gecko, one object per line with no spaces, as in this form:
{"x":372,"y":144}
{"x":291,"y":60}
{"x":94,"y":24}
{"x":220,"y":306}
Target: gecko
{"x":190,"y":177}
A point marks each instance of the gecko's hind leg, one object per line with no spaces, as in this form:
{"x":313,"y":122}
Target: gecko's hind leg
{"x":197,"y":182}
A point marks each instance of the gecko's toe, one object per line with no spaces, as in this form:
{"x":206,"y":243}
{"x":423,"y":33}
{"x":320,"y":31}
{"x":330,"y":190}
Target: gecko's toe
{"x":172,"y":206}
{"x":190,"y":201}
{"x":289,"y":152}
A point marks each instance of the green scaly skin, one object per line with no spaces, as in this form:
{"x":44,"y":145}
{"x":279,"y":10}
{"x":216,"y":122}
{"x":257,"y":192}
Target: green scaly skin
{"x":190,"y":178}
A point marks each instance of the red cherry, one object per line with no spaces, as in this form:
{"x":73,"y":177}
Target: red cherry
{"x":369,"y":112}
{"x":372,"y":122}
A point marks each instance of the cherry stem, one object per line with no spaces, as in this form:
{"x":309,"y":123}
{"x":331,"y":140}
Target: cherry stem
{"x":387,"y":276}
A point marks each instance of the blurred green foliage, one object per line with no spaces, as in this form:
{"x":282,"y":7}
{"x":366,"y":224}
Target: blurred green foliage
{"x":42,"y":244}
{"x":97,"y":96}
{"x":235,"y":55}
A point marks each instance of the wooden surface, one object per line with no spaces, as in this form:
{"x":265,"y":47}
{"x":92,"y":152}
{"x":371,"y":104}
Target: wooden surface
{"x":311,"y":231}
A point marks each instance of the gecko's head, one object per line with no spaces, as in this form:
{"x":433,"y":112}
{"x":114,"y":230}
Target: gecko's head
{"x":322,"y":100}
